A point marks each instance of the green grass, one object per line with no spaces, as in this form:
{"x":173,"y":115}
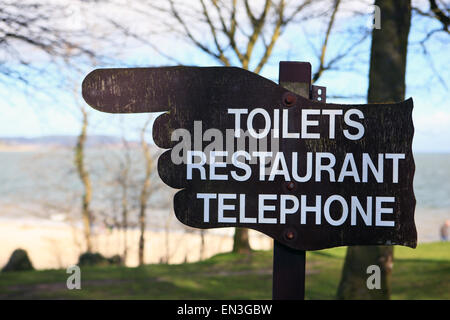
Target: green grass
{"x":423,"y":273}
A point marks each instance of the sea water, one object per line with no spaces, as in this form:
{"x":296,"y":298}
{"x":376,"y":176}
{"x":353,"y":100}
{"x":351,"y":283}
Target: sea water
{"x":30,"y":179}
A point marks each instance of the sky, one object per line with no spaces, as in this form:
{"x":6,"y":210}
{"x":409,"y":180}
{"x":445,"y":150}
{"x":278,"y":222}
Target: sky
{"x":30,"y":112}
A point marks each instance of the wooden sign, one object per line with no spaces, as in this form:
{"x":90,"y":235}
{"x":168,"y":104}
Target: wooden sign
{"x":246,"y":152}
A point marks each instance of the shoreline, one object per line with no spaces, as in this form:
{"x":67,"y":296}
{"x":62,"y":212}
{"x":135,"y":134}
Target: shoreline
{"x":57,"y":244}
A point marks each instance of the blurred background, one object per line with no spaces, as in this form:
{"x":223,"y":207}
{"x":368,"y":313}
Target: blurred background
{"x":75,"y":181}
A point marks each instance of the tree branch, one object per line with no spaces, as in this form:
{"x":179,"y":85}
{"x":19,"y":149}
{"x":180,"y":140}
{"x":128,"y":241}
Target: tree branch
{"x":212,"y":28}
{"x":257,"y":25}
{"x":322,"y":66}
{"x":275,"y":35}
{"x":191,"y":36}
{"x":231,"y":32}
{"x":440,"y":15}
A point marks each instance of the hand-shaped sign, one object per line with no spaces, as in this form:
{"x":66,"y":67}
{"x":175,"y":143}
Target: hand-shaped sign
{"x":246,"y":152}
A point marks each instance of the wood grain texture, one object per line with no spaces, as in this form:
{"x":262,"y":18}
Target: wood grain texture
{"x":191,"y":94}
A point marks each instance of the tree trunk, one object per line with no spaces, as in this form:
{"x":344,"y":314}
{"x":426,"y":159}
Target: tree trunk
{"x":386,"y":84}
{"x":202,"y":244}
{"x":124,"y":184}
{"x":142,"y":232}
{"x":85,"y":180}
{"x":125,"y":222}
{"x":167,"y":241}
{"x":241,"y":242}
{"x":145,"y":193}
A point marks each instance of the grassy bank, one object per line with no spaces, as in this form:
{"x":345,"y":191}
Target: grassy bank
{"x":423,"y":273}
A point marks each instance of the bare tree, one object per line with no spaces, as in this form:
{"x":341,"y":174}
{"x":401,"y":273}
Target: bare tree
{"x":29,"y":26}
{"x":123,"y":179}
{"x":145,"y":190}
{"x":83,"y":173}
{"x":322,"y":66}
{"x":35,"y":42}
{"x":124,"y":182}
{"x":202,"y":244}
{"x":386,"y":84}
{"x":437,"y":11}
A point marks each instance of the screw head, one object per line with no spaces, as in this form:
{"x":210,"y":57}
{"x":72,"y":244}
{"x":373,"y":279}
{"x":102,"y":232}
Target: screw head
{"x":290,"y":185}
{"x":289,"y":99}
{"x":290,"y":234}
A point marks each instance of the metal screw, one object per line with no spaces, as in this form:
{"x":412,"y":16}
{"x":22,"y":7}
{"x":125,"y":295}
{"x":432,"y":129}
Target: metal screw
{"x":290,"y":235}
{"x":289,"y":99}
{"x":290,"y":186}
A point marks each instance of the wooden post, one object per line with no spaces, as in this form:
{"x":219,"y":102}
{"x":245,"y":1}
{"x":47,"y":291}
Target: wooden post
{"x":289,"y":264}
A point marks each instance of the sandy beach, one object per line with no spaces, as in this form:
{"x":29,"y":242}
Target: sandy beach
{"x":18,"y":148}
{"x":53,"y":244}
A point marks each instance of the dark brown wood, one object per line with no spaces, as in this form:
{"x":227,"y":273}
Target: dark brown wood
{"x":205,"y":94}
{"x":389,"y":130}
{"x":288,"y":273}
{"x":289,"y":265}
